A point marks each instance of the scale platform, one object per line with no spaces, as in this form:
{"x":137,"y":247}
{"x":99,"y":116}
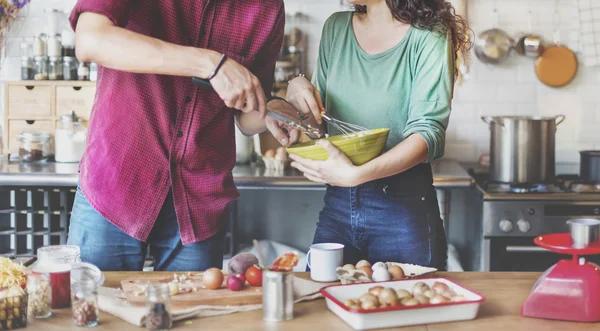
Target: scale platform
{"x":570,"y":289}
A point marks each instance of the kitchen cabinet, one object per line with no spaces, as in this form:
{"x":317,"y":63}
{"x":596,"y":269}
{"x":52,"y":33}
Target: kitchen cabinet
{"x":38,"y":106}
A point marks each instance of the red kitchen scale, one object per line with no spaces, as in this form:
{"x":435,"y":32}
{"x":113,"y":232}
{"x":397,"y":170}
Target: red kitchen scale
{"x":570,"y":289}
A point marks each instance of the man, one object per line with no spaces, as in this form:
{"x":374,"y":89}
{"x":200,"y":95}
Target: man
{"x":157,"y":169}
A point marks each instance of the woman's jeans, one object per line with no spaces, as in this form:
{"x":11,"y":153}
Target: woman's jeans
{"x":396,"y":219}
{"x":111,"y":249}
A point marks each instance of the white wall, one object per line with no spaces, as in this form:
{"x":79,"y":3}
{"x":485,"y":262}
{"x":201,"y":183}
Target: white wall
{"x":508,"y":89}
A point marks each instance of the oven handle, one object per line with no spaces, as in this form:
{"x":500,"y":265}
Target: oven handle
{"x":525,"y":249}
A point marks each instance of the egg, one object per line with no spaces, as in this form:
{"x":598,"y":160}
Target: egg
{"x":363,"y":263}
{"x":379,"y":265}
{"x":396,"y":272}
{"x":269,"y":154}
{"x":380,"y":275}
{"x":366,"y":270}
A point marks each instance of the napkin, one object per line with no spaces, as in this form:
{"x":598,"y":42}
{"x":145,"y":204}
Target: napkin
{"x":112,"y":301}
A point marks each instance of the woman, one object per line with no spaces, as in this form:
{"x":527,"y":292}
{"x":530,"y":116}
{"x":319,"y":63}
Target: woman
{"x":389,"y":64}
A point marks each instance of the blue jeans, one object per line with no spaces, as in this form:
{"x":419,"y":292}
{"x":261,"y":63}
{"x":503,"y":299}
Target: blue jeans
{"x":111,"y":249}
{"x":396,"y":219}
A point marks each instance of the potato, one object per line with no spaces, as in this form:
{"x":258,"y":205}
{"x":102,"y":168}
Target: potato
{"x":241,"y":262}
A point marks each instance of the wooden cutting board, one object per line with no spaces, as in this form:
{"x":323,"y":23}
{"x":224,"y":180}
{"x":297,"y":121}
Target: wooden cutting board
{"x":220,"y":297}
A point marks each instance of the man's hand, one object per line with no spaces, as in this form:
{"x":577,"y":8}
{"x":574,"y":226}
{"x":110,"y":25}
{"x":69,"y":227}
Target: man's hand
{"x":239,"y":88}
{"x":285,"y":135}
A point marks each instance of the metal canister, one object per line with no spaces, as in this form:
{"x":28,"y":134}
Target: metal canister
{"x":584,"y":232}
{"x":278,"y":296}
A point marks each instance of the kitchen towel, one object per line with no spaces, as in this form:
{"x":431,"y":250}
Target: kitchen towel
{"x":112,"y":301}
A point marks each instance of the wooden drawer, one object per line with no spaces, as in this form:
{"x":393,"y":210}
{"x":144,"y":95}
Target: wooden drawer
{"x":77,"y":98}
{"x":15,"y":127}
{"x":26,"y":101}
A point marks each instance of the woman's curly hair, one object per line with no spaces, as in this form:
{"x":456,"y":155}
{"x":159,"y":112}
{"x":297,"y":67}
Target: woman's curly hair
{"x":433,"y":15}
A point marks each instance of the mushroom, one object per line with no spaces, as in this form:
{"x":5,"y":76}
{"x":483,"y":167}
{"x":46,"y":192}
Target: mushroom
{"x":403,"y":294}
{"x":419,"y":288}
{"x":440,"y":288}
{"x":410,"y":302}
{"x":422,"y":299}
{"x":376,"y":290}
{"x":368,"y":297}
{"x":437,"y":299}
{"x":388,"y":297}
{"x":429,"y":293}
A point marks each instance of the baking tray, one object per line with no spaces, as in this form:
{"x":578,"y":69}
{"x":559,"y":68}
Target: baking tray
{"x":401,"y":315}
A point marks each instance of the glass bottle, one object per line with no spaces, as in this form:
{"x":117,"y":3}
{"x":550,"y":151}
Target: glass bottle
{"x":55,"y":71}
{"x":34,"y":146}
{"x":54,"y":45}
{"x":84,"y":303}
{"x":41,"y":68}
{"x":93,"y":72}
{"x":40,"y":47}
{"x":40,"y":295}
{"x":26,"y":61}
{"x":158,"y":307}
{"x":69,"y":68}
{"x":70,"y":139}
{"x":83,"y":71}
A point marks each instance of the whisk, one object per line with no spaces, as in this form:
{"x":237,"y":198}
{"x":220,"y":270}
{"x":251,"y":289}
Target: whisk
{"x":347,"y":129}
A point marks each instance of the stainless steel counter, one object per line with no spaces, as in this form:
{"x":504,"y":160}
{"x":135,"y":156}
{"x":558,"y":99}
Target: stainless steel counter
{"x":447,"y":174}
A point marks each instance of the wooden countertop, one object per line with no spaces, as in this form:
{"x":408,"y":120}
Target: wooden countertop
{"x":504,"y":294}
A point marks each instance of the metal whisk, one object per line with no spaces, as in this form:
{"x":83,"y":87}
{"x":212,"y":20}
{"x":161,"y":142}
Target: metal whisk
{"x":344,"y":127}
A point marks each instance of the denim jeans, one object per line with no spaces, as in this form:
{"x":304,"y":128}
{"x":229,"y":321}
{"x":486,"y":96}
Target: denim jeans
{"x":396,"y":219}
{"x":111,"y":249}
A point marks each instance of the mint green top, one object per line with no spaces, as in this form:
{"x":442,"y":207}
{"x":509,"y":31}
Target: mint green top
{"x":407,"y":88}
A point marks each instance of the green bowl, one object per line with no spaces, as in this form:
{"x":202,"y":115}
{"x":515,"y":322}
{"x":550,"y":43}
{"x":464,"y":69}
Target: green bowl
{"x":359,"y":149}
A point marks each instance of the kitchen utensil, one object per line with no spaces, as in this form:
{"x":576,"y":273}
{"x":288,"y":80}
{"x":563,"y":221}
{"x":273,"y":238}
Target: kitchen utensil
{"x":589,"y":31}
{"x":399,"y":315}
{"x":323,"y":260}
{"x":493,"y":46}
{"x":360,"y":149}
{"x":278,"y":296}
{"x":589,"y":166}
{"x":557,"y":65}
{"x":570,"y":289}
{"x":259,"y":252}
{"x":277,"y":108}
{"x":584,"y":232}
{"x":522,"y":149}
{"x":529,"y":44}
{"x":344,"y":127}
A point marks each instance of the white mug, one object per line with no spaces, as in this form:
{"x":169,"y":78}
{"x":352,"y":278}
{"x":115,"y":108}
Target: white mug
{"x":323,"y":259}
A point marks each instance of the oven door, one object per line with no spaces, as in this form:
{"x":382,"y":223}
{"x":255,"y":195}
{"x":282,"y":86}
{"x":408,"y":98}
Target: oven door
{"x":521,"y":254}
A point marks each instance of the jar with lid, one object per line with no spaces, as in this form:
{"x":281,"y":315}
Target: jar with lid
{"x":55,"y":71}
{"x":54,"y":45}
{"x":40,"y":47}
{"x":93,"y":72}
{"x":158,"y":307}
{"x":34,"y":146}
{"x":40,"y":295}
{"x":68,"y":43}
{"x":41,"y":68}
{"x":84,"y":303}
{"x":70,"y":68}
{"x":70,"y":139}
{"x":57,"y":261}
{"x":26,"y":61}
{"x":83,"y":71}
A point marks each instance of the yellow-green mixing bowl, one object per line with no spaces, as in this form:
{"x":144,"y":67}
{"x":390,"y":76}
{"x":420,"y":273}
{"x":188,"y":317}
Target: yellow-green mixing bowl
{"x":360,"y":148}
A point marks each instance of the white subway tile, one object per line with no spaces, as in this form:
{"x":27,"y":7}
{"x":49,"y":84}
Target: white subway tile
{"x":516,"y":93}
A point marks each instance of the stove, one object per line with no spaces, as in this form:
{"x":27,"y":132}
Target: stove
{"x":513,"y":215}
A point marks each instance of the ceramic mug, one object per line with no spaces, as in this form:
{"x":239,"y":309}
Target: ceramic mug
{"x":323,"y":259}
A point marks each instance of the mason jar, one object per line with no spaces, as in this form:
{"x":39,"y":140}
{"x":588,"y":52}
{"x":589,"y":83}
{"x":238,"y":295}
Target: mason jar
{"x":158,"y":307}
{"x":84,"y":303}
{"x":55,"y":71}
{"x":40,"y":68}
{"x":34,"y":146}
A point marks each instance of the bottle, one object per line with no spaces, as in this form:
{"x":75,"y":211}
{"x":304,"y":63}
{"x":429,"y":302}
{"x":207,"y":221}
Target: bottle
{"x":70,"y":139}
{"x":158,"y":306}
{"x":27,"y":71}
{"x":70,"y":68}
{"x":55,"y":71}
{"x":83,"y":71}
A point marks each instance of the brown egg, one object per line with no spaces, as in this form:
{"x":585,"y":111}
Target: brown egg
{"x":269,"y":154}
{"x":396,"y":272}
{"x":363,"y":263}
{"x":367,"y":270}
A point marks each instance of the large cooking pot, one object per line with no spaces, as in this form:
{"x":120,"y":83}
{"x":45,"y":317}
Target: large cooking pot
{"x":522,"y":148}
{"x":589,"y":168}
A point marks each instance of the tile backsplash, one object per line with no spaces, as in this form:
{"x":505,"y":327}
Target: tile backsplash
{"x":507,"y":89}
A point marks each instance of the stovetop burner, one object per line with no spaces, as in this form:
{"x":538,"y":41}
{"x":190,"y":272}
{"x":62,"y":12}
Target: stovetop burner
{"x":582,"y":187}
{"x":492,"y":187}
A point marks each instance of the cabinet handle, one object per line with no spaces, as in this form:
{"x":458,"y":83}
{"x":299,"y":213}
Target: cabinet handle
{"x":29,"y":87}
{"x":77,"y":88}
{"x":525,"y":249}
{"x":30,"y":122}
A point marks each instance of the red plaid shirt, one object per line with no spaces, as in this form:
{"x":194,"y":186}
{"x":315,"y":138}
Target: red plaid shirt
{"x":152,"y":133}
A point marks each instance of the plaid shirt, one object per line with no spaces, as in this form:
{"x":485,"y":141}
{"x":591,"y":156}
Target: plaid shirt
{"x":152,"y":133}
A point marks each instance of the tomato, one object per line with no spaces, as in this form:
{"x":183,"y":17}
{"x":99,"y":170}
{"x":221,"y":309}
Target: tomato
{"x":254,"y":276}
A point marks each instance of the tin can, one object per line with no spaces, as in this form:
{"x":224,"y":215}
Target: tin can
{"x":278,"y":296}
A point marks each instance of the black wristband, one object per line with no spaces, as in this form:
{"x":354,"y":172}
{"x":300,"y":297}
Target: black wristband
{"x":214,"y":72}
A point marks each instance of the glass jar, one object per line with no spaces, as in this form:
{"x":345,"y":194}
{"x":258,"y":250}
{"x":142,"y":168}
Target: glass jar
{"x":13,"y":308}
{"x":84,"y":302}
{"x":41,"y":68}
{"x":54,"y":45}
{"x":83,"y":71}
{"x":40,"y":47}
{"x":70,"y":68}
{"x":56,"y":68}
{"x":34,"y":146}
{"x":68,"y":42}
{"x":70,"y":139}
{"x":158,"y":307}
{"x":40,"y":295}
{"x":27,"y":72}
{"x":57,"y":261}
{"x":93,"y":72}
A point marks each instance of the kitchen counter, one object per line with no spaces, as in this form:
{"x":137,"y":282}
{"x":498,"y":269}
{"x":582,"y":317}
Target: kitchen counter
{"x":504,"y":294}
{"x":447,"y":173}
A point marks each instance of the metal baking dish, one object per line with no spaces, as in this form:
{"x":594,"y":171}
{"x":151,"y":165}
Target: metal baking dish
{"x":401,"y":315}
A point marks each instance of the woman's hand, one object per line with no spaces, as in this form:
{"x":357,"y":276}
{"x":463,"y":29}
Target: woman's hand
{"x":337,"y":170}
{"x":305,"y":98}
{"x":284,"y":134}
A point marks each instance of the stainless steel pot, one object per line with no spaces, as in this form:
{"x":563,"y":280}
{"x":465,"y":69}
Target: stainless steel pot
{"x":522,"y":149}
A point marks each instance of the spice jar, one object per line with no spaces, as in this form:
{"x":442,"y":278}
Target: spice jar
{"x":158,"y":306}
{"x":41,"y":68}
{"x":34,"y":146}
{"x":40,"y":47}
{"x":68,"y":43}
{"x":69,"y":68}
{"x":70,"y":139}
{"x":40,"y":295}
{"x":26,"y":61}
{"x":56,"y":68}
{"x":83,"y":71}
{"x":84,"y":302}
{"x":54,"y":46}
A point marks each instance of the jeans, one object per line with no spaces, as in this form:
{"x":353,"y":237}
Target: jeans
{"x":111,"y":249}
{"x":396,"y":219}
